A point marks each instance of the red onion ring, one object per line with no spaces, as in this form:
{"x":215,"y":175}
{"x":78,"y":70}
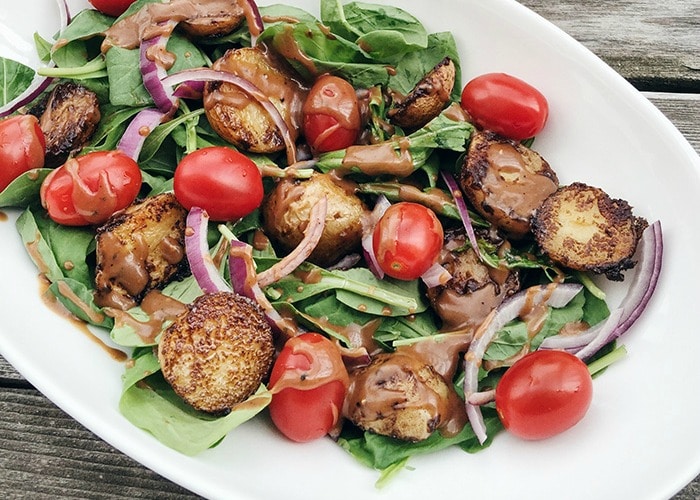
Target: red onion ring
{"x":205,"y":74}
{"x":153,"y":72}
{"x":201,"y":263}
{"x":462,"y":209}
{"x":140,"y":127}
{"x":553,"y":295}
{"x":368,"y":223}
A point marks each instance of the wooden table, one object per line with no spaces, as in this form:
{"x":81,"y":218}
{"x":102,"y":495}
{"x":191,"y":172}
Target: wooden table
{"x":46,"y":454}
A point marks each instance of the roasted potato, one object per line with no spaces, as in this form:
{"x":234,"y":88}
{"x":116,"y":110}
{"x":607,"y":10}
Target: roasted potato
{"x":505,"y":181}
{"x":286,"y":213}
{"x":242,"y":120}
{"x":397,"y":395}
{"x":427,"y":99}
{"x":474,"y":289}
{"x":139,"y":249}
{"x":582,"y":228}
{"x":212,"y":21}
{"x":68,"y":117}
{"x":217,"y":354}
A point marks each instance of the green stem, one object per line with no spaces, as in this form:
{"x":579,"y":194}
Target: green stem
{"x":96,"y":68}
{"x":372,"y":292}
{"x":600,"y":364}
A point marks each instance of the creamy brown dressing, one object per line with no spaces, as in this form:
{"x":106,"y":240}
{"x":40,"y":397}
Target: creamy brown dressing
{"x":160,"y":308}
{"x":510,"y":185}
{"x":380,"y":159}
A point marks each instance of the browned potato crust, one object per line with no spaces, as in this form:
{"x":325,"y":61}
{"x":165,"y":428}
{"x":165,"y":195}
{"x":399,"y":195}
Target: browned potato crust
{"x":213,"y":22}
{"x":68,"y":117}
{"x":397,"y":395}
{"x":139,"y":249}
{"x":286,"y":213}
{"x":239,"y":118}
{"x":505,"y":181}
{"x":427,"y":99}
{"x":474,"y":289}
{"x":582,"y":228}
{"x":217,"y":354}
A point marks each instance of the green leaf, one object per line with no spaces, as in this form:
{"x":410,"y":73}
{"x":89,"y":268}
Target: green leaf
{"x":153,"y":406}
{"x":14,"y":80}
{"x":24,"y":190}
{"x":79,"y":300}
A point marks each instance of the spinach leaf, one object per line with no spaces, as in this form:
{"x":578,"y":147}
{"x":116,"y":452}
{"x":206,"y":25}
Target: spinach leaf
{"x":24,"y":190}
{"x":151,"y":404}
{"x":15,"y":79}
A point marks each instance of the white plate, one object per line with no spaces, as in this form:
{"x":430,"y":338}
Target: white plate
{"x":640,"y":438}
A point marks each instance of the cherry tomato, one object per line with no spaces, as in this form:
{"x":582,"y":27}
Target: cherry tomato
{"x":308,"y":384}
{"x":331,"y":115}
{"x":113,"y":8}
{"x":407,"y":240}
{"x":90,"y":188}
{"x":222,"y":181}
{"x":506,"y":105}
{"x":22,"y":147}
{"x":543,"y":393}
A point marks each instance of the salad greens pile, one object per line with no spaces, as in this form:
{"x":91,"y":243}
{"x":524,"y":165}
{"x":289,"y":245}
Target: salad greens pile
{"x":366,"y":40}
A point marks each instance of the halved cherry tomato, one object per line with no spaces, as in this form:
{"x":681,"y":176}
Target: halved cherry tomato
{"x":407,"y":240}
{"x":331,"y":115}
{"x":308,"y":384}
{"x":544,"y":393}
{"x":90,"y":188}
{"x":506,"y":105}
{"x":222,"y":181}
{"x":113,"y":8}
{"x":22,"y":147}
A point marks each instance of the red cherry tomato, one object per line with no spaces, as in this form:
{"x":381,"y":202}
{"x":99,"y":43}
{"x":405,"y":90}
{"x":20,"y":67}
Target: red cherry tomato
{"x":543,"y":394}
{"x":113,"y":8}
{"x":308,"y":384}
{"x":22,"y":147}
{"x":506,"y":105}
{"x":222,"y":181}
{"x":407,"y":240}
{"x":331,"y":115}
{"x":90,"y":188}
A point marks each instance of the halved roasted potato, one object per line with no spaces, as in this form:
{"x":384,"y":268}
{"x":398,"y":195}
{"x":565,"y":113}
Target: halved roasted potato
{"x":287,"y":208}
{"x":217,"y":354}
{"x":139,"y":249}
{"x":239,"y":118}
{"x":582,"y":228}
{"x":427,"y":99}
{"x":397,"y":395}
{"x":218,"y":19}
{"x":505,"y":181}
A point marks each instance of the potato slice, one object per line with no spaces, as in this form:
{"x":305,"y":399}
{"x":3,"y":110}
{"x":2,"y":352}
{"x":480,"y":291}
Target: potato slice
{"x":582,"y":228}
{"x":427,"y":99}
{"x":505,"y":181}
{"x":242,"y":120}
{"x":139,"y":249}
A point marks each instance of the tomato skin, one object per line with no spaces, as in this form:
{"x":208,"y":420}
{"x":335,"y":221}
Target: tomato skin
{"x":114,"y":8}
{"x":308,"y":383}
{"x":506,"y":105}
{"x":22,"y":147}
{"x":407,"y":240}
{"x":222,"y":181}
{"x":543,"y":394}
{"x":331,"y":115}
{"x":88,"y":189}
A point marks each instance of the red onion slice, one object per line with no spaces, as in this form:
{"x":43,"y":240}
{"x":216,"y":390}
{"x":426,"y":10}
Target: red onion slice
{"x":436,"y":275}
{"x":202,"y":265}
{"x":312,"y":235}
{"x":253,"y":18}
{"x":244,"y":282}
{"x":153,"y":72}
{"x":553,"y":295}
{"x":368,"y":223}
{"x":204,"y":74}
{"x":39,"y":84}
{"x":462,"y":209}
{"x":650,"y":255}
{"x":140,"y":127}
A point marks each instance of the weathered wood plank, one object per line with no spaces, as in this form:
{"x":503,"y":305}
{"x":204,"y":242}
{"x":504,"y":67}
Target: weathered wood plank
{"x":655,"y":46}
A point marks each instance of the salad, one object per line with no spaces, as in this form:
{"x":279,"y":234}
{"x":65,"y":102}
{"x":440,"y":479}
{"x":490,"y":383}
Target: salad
{"x":369,"y":175}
